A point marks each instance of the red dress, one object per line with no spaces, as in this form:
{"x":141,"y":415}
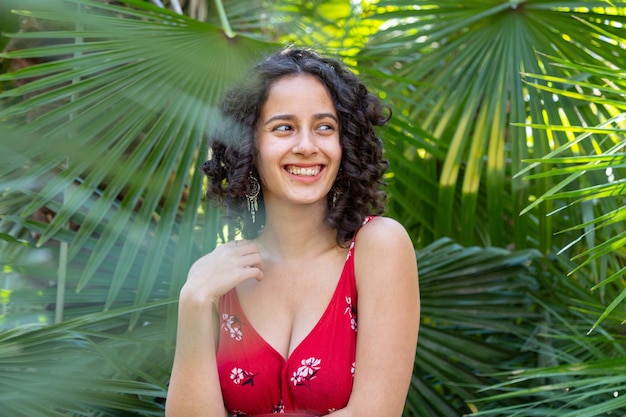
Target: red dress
{"x":314,"y":380}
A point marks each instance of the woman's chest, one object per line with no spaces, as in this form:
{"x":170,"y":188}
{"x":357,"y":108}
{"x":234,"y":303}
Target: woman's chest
{"x":288,"y":303}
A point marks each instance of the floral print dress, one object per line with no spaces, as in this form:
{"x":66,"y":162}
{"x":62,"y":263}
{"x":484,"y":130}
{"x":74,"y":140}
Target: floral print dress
{"x":316,"y":378}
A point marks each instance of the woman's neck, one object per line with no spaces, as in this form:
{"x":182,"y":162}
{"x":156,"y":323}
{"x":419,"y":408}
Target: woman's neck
{"x":297,"y":233}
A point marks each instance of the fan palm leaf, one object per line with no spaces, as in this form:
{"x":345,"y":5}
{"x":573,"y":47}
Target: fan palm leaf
{"x":84,"y":366}
{"x":462,"y":68}
{"x":476,"y":312}
{"x":129,"y":123}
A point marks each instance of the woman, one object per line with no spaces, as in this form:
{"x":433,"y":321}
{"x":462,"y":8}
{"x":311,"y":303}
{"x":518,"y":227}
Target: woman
{"x":316,"y":311}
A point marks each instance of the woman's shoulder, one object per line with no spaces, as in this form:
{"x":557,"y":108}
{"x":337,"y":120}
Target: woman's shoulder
{"x":382,"y":238}
{"x":383,"y":252}
{"x":382,"y":231}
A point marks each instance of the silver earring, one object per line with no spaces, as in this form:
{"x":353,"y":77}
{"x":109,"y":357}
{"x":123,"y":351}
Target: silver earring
{"x":253,"y":204}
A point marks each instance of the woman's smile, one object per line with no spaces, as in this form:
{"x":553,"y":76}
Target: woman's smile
{"x":300,"y":171}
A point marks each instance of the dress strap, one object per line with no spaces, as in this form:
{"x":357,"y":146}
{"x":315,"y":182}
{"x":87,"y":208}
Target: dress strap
{"x":367,"y":220}
{"x":363,"y":223}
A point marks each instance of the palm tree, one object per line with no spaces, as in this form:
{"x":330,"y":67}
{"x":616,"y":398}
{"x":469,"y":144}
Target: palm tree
{"x":101,"y":195}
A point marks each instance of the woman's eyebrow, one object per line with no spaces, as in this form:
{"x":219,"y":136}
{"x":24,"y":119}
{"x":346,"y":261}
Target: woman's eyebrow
{"x":290,"y":117}
{"x":279,"y":117}
{"x":319,"y":116}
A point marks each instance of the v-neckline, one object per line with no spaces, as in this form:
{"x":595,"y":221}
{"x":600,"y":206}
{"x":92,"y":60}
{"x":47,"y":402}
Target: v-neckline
{"x":285,"y":360}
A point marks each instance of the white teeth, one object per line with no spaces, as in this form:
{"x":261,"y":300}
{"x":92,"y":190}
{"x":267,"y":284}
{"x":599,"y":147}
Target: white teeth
{"x":303,"y":172}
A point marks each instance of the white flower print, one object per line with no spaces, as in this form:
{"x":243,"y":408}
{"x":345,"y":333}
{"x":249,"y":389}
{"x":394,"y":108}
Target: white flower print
{"x":227,"y":320}
{"x":296,"y":379}
{"x":348,"y":309}
{"x":236,"y":334}
{"x":309,"y":366}
{"x":241,"y":377}
{"x":236,"y":375}
{"x":279,"y":409}
{"x":351,"y":312}
{"x":352,"y":368}
{"x":306,"y":372}
{"x":232,"y":325}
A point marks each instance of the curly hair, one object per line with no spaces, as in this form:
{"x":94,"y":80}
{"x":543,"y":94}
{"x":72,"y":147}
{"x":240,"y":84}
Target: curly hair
{"x":357,"y":191}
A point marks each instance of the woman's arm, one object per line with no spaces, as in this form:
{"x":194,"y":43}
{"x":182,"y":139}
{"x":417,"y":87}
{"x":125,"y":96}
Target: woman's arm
{"x":388,"y":313}
{"x":194,"y":388}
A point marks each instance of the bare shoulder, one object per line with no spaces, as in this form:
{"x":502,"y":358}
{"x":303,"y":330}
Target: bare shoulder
{"x":384,"y":250}
{"x":383,"y":234}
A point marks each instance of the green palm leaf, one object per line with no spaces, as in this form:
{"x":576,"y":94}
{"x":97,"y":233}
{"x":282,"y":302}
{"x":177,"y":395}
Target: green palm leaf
{"x":463,"y":65}
{"x":475,"y":311}
{"x":127,"y":98}
{"x":84,"y":366}
{"x":593,"y":187}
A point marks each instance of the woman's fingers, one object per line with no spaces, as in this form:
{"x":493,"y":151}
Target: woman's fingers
{"x":243,"y":258}
{"x":248,"y":253}
{"x":217,"y":272}
{"x":252,"y":271}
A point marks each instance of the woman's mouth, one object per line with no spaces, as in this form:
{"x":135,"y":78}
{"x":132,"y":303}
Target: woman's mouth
{"x":303,"y":171}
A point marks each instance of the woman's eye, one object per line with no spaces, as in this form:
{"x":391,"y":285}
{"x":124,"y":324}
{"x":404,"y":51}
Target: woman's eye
{"x":283,"y":128}
{"x":326,"y":127}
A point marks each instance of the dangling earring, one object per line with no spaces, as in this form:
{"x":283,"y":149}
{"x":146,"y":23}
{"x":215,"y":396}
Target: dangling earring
{"x":335,"y":192}
{"x":253,"y":204}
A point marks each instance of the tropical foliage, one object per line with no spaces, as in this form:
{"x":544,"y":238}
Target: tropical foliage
{"x":507,"y":167}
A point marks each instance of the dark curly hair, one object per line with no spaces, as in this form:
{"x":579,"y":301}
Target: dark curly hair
{"x":358,"y":187}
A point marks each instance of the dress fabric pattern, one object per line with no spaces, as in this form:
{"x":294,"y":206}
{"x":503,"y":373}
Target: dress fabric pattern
{"x":316,"y":378}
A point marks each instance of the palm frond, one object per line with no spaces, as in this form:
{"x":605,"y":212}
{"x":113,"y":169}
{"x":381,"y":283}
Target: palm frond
{"x":89,"y":365}
{"x":476,"y":311}
{"x":463,"y":67}
{"x":115,"y":121}
{"x":593,"y":188}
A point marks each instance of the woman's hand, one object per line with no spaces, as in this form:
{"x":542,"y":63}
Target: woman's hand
{"x":216,"y":273}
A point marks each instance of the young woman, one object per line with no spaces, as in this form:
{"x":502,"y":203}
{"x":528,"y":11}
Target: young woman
{"x":316,"y":311}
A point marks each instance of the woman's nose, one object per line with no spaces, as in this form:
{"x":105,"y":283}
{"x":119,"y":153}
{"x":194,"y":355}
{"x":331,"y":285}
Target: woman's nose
{"x":305,"y":143}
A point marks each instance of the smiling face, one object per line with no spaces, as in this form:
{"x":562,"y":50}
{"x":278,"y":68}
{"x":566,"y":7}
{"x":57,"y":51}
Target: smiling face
{"x":297,"y":137}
